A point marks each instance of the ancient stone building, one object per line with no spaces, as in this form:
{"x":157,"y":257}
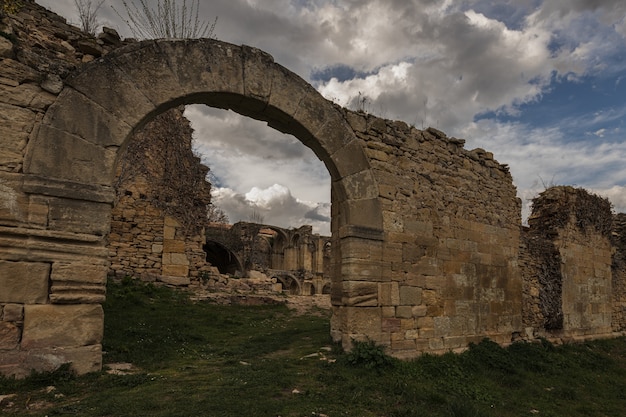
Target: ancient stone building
{"x":427,"y":252}
{"x":297,"y":258}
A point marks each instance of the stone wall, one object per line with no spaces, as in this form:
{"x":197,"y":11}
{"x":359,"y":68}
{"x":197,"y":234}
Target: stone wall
{"x":50,"y":299}
{"x":158,"y":219}
{"x":567,"y":253}
{"x":426,"y":250}
{"x":618,"y":238}
{"x":447,"y":274}
{"x":297,"y":258}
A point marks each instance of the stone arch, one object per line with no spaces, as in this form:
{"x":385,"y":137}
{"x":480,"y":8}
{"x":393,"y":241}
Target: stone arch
{"x":70,"y":160}
{"x":291,"y":284}
{"x":91,"y":121}
{"x":224,"y":259}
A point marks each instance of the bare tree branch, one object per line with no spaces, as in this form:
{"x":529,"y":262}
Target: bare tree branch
{"x":88,"y":14}
{"x":169,"y":19}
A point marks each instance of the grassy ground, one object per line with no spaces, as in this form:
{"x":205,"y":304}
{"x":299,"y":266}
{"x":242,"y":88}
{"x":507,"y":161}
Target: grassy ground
{"x":198,"y":359}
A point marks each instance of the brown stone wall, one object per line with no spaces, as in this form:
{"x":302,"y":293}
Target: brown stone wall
{"x":448,"y":271}
{"x":161,"y":206}
{"x":50,"y":298}
{"x":426,"y":241}
{"x":619,"y":273}
{"x":567,"y":258}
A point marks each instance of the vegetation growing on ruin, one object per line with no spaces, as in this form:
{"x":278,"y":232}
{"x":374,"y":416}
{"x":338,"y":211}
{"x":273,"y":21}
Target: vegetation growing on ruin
{"x":174,"y":180}
{"x":561,"y":203}
{"x":209,"y":360}
{"x":10,"y":6}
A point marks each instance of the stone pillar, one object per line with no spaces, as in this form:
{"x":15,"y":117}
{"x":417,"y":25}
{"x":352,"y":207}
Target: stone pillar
{"x":53,"y":268}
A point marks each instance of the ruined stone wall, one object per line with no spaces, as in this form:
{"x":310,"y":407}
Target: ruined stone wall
{"x":618,"y":238}
{"x":50,"y":299}
{"x":567,"y":252}
{"x":426,"y":234}
{"x":286,"y":254}
{"x":449,"y":256}
{"x":157,"y":223}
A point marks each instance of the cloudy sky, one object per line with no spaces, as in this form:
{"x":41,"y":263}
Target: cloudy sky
{"x":541,"y":84}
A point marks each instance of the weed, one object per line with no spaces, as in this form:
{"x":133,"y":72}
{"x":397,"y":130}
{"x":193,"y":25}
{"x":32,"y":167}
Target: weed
{"x":205,"y":359}
{"x":370,"y":355}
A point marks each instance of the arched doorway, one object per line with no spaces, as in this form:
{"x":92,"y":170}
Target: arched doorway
{"x":223,"y":259}
{"x":71,"y":159}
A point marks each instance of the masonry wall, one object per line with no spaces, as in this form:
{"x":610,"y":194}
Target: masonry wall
{"x":427,"y":248}
{"x":289,"y":255}
{"x":448,"y":265}
{"x":567,"y":256}
{"x":50,"y":298}
{"x":158,"y":219}
{"x":618,"y":238}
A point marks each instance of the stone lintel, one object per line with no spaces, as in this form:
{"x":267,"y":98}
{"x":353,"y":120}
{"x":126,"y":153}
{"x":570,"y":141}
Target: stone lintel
{"x":362,"y":232}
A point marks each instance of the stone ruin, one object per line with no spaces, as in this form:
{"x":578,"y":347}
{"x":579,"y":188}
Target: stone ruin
{"x":160,"y":231}
{"x":296,"y":259}
{"x":427,"y":252}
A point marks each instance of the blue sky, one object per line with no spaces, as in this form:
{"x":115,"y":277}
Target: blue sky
{"x":540,"y":83}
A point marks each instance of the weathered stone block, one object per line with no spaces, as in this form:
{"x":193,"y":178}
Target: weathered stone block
{"x":361,"y":270}
{"x":173,"y":246}
{"x":410,"y":295}
{"x":366,"y":321}
{"x":419,"y":311}
{"x":24,"y":282}
{"x":49,"y":151}
{"x":9,"y":335}
{"x":404,"y":312}
{"x":79,"y":216}
{"x":389,"y":294}
{"x":13,"y":312}
{"x":79,"y":272}
{"x":179,"y":281}
{"x":442,"y":326}
{"x":179,"y":259}
{"x":360,"y":293}
{"x":391,"y":325}
{"x":52,"y":326}
{"x":96,"y":124}
{"x":176,"y":270}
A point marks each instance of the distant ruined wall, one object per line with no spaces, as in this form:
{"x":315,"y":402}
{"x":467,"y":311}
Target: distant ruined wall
{"x":158,"y":219}
{"x":297,"y":258}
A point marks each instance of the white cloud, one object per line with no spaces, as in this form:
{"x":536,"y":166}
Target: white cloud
{"x":275,"y":205}
{"x":539,"y":158}
{"x":427,"y":63}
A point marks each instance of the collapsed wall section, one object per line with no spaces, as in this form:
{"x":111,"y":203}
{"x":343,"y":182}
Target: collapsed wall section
{"x":162,"y":196}
{"x":619,"y":272}
{"x":567,"y":253}
{"x":448,"y":274}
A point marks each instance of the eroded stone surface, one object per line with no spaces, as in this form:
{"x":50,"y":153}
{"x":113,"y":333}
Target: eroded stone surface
{"x":56,"y":326}
{"x":24,"y":282}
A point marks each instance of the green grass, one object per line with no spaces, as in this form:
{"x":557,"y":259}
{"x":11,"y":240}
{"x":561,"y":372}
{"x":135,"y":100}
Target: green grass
{"x":199,"y":359}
